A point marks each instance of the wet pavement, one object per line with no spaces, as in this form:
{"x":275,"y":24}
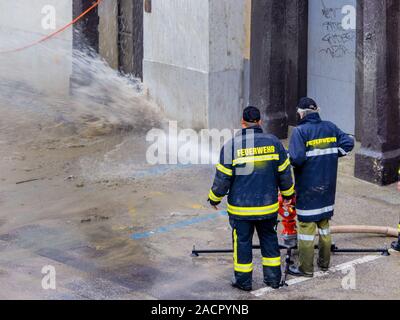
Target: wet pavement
{"x":132,"y":239}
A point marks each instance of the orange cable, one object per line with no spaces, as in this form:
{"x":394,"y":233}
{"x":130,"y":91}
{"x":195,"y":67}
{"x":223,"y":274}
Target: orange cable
{"x":55,"y":32}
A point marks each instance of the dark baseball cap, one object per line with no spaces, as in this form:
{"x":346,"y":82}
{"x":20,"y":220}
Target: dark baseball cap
{"x":307,"y":104}
{"x":251,"y":114}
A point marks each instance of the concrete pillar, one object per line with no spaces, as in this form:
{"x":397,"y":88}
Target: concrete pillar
{"x":227,"y":33}
{"x":121,"y":35}
{"x":278,"y":73}
{"x":379,"y":158}
{"x":194,"y":52}
{"x":359,"y":69}
{"x":130,"y":37}
{"x":137,"y":38}
{"x":108,"y":32}
{"x":296,"y":56}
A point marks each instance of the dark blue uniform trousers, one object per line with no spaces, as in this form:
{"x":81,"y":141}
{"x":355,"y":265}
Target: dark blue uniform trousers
{"x":242,"y":235}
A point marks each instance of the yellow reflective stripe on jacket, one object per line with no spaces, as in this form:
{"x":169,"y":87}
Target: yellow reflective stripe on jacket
{"x":284,"y":166}
{"x":213,"y":197}
{"x":225,"y":170}
{"x":288,"y":193}
{"x":253,"y":211}
{"x":398,"y":228}
{"x":245,"y":268}
{"x":271,"y":262}
{"x":322,"y":141}
{"x":268,"y":157}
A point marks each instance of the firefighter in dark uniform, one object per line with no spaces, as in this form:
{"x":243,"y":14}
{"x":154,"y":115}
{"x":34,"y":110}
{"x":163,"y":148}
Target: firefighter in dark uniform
{"x":314,"y":149}
{"x":253,"y":167}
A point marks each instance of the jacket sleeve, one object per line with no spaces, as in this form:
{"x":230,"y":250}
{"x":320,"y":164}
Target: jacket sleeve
{"x":345,"y":143}
{"x":223,"y":176}
{"x":297,"y":149}
{"x":286,"y":185}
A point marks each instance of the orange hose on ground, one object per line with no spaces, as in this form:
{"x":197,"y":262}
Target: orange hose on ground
{"x":390,"y":232}
{"x":55,"y":32}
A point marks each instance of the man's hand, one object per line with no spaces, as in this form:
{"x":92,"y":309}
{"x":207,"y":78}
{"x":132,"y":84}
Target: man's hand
{"x":288,"y":203}
{"x":214,"y":204}
{"x":290,"y":200}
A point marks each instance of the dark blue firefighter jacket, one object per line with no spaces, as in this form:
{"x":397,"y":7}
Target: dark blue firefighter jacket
{"x":314,"y":149}
{"x":253,"y":167}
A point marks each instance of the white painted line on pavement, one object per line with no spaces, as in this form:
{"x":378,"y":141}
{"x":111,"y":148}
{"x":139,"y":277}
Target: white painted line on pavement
{"x":320,"y":274}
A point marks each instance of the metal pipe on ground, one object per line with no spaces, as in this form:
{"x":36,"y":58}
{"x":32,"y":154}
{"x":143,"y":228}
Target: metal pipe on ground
{"x":350,"y":229}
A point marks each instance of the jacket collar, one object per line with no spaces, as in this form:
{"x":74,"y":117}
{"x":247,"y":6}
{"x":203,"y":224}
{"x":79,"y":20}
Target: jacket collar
{"x":255,"y":129}
{"x":311,"y":118}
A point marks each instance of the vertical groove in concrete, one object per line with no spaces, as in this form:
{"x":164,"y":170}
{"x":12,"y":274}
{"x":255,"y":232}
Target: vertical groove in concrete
{"x":359,"y":69}
{"x":138,"y":38}
{"x":379,"y":157}
{"x":108,"y":32}
{"x":130,"y":37}
{"x":278,"y":60}
{"x":121,"y":35}
{"x":296,"y":55}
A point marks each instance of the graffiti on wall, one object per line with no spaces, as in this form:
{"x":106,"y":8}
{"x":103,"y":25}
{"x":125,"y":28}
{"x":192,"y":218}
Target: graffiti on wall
{"x":339,"y":35}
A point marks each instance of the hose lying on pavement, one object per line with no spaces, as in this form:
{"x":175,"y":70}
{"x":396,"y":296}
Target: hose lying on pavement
{"x":386,"y":231}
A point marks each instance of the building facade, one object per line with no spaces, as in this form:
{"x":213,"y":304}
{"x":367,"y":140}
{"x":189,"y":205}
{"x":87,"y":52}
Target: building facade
{"x":203,"y":61}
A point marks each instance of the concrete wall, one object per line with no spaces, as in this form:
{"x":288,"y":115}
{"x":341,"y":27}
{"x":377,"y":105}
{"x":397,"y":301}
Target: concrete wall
{"x":332,"y":62}
{"x":246,"y":52}
{"x":193,"y":60}
{"x":108,"y":32}
{"x":45,"y":67}
{"x":226,"y":62}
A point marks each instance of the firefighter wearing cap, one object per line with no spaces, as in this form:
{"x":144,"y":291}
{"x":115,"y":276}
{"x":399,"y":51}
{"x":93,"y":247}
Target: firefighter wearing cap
{"x":314,"y":149}
{"x":253,"y":167}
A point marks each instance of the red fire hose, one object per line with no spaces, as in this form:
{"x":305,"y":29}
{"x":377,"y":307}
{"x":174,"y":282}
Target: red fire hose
{"x":386,"y":231}
{"x":83,"y":14}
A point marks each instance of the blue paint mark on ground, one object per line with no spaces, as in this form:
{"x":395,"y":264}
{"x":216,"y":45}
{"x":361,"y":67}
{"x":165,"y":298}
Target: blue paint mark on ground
{"x":178,"y":225}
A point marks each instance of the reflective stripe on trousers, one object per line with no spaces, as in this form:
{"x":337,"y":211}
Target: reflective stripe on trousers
{"x":324,"y":232}
{"x":271,"y":262}
{"x":237,"y":266}
{"x":307,"y":231}
{"x":306,"y":237}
